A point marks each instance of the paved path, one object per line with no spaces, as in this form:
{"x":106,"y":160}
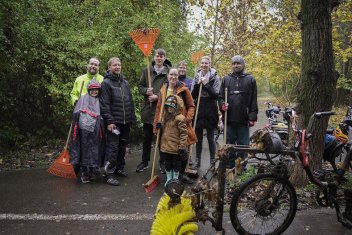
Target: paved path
{"x":35,"y":202}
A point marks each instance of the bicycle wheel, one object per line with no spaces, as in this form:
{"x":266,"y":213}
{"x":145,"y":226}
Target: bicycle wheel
{"x":264,"y":204}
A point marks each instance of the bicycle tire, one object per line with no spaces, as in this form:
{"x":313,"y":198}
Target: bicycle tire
{"x":247,"y":194}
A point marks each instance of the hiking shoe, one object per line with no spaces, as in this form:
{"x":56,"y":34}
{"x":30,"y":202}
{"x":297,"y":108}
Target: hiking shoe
{"x":92,"y":175}
{"x":186,"y":180}
{"x":121,"y":173}
{"x":142,"y":166}
{"x":85,"y":178}
{"x":162,"y":168}
{"x":111,"y":180}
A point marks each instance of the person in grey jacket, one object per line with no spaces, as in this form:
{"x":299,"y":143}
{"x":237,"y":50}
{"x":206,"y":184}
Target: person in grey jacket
{"x":241,"y":107}
{"x":208,"y":108}
{"x":118,"y":112}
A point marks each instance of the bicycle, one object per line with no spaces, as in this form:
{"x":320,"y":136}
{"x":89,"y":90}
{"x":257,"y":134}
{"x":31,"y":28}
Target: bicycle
{"x":267,"y":202}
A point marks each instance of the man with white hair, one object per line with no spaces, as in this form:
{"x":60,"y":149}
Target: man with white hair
{"x":241,"y":106}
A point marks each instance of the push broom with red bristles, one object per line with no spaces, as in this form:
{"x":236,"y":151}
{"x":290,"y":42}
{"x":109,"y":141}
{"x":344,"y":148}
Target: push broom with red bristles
{"x":62,"y":166}
{"x":145,"y":39}
{"x":155,"y":179}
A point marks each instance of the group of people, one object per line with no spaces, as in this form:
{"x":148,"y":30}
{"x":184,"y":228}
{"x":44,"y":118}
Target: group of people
{"x":104,"y":113}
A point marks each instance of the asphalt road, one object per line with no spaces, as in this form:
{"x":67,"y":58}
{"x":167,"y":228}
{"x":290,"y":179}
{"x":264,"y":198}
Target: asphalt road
{"x":35,"y":202}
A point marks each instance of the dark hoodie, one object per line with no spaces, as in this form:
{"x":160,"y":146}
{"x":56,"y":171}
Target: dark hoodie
{"x":157,"y":80}
{"x":116,"y":103}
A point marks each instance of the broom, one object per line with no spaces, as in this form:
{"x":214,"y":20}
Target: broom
{"x":62,"y":166}
{"x":194,"y":173}
{"x":145,"y":39}
{"x":155,"y":179}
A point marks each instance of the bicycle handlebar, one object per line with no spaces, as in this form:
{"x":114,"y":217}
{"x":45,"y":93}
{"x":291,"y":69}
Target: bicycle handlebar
{"x":324,"y":114}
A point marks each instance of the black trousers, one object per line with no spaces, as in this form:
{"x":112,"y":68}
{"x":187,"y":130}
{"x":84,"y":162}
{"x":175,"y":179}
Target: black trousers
{"x":118,"y":144}
{"x":211,"y":143}
{"x":172,"y":161}
{"x":147,"y":141}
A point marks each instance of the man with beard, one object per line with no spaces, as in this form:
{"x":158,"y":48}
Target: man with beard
{"x":242,"y":106}
{"x":92,"y":71}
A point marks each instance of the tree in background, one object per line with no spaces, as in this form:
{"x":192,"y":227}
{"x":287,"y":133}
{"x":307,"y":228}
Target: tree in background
{"x":47,"y":44}
{"x":318,"y":83}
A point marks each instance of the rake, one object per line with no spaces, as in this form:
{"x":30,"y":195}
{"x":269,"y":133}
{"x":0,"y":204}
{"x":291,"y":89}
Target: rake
{"x":62,"y":166}
{"x":195,"y":57}
{"x":145,"y":39}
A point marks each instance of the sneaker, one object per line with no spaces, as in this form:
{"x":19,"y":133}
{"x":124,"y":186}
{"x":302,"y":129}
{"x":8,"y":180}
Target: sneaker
{"x":162,"y":168}
{"x":111,"y":180}
{"x":85,"y":178}
{"x":186,"y":180}
{"x":142,"y":166}
{"x":121,"y":173}
{"x":92,"y":175}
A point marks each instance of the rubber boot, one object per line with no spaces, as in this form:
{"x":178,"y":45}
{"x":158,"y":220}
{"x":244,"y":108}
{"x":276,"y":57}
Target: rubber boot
{"x":176,"y":175}
{"x":169,"y":176}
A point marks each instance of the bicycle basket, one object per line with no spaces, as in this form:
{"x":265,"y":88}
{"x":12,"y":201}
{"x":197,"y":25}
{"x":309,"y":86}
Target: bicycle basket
{"x":273,"y":142}
{"x":332,"y":149}
{"x":266,"y":140}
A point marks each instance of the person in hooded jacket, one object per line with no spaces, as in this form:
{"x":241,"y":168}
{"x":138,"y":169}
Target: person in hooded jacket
{"x":241,"y":107}
{"x":158,"y":75}
{"x":174,"y":135}
{"x":117,"y":109}
{"x":87,"y":142}
{"x":174,"y":87}
{"x":208,"y":107}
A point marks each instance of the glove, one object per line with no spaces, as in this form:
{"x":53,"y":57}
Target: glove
{"x":251,"y":123}
{"x":224,"y":107}
{"x":183,"y":153}
{"x":158,"y":125}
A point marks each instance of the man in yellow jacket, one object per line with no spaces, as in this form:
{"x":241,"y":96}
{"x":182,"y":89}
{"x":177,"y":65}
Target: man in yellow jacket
{"x":92,"y":71}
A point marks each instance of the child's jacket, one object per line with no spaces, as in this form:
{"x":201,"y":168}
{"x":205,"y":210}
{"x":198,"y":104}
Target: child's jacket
{"x":86,"y":145}
{"x":174,"y":132}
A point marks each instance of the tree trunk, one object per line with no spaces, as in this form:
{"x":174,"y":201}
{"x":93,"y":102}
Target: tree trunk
{"x":318,"y":82}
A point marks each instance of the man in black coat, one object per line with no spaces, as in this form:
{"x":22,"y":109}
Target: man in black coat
{"x":241,"y":106}
{"x":117,"y":109}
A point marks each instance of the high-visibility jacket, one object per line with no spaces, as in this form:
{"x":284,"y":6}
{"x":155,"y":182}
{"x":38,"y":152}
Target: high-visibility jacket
{"x":78,"y":83}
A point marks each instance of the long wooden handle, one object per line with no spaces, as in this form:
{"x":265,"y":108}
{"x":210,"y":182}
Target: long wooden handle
{"x":149,"y":78}
{"x":194,"y":124}
{"x":225,"y":124}
{"x":69,"y":132}
{"x":158,"y":135}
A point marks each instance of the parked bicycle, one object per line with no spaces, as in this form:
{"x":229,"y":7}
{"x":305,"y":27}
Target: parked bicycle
{"x":267,"y":203}
{"x":274,"y":123}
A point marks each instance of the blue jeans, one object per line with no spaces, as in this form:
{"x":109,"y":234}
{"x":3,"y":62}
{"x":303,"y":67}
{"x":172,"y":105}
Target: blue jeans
{"x":237,"y":134}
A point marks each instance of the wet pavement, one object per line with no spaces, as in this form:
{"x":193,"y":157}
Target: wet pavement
{"x":34,"y":202}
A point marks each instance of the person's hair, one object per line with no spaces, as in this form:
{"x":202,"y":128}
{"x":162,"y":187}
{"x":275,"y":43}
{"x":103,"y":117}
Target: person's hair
{"x":160,"y":51}
{"x":182,"y":62}
{"x":113,"y":59}
{"x":172,"y":69}
{"x":95,"y":58}
{"x":206,"y":57}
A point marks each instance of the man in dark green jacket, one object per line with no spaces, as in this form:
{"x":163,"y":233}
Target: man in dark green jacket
{"x":158,"y":75}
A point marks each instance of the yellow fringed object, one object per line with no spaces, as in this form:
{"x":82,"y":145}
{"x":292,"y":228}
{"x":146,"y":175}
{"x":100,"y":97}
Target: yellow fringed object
{"x":175,"y":220}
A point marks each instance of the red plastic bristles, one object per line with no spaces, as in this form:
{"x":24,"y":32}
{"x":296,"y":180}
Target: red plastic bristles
{"x":152,"y":184}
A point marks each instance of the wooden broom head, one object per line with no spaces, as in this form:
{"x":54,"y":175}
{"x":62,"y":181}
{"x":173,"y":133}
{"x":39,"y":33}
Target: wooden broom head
{"x":145,"y":39}
{"x":195,"y":57}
